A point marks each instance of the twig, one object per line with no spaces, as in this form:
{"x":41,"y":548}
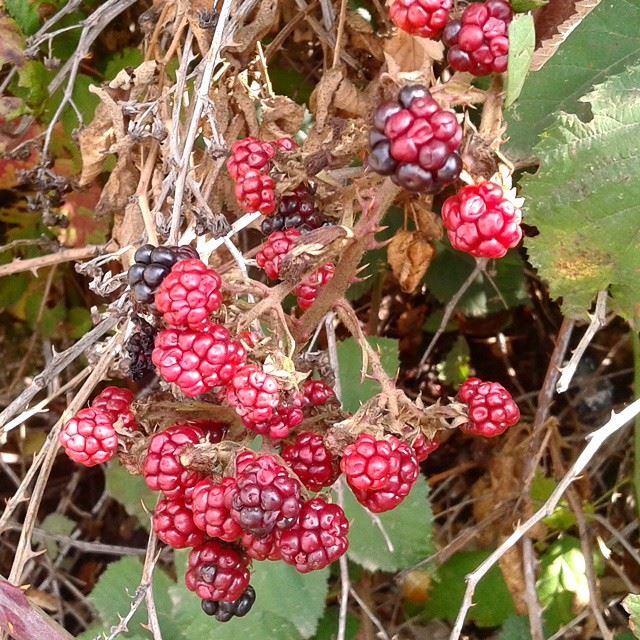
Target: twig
{"x":339,"y":34}
{"x":333,"y":352}
{"x":533,"y":604}
{"x":64,"y":255}
{"x":596,"y":440}
{"x":383,"y":634}
{"x":451,"y":307}
{"x":345,"y":582}
{"x":598,"y":320}
{"x":57,"y":364}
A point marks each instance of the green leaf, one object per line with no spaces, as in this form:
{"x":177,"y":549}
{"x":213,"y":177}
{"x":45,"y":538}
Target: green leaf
{"x":288,"y":605}
{"x":13,"y":288}
{"x":611,"y":29}
{"x":408,"y":527}
{"x":131,"y":492}
{"x":33,"y":80}
{"x":522,"y":6}
{"x":456,"y":367}
{"x":57,"y":524}
{"x":493,"y":604}
{"x":291,"y":83}
{"x":515,"y":628}
{"x":25,"y":15}
{"x":128,"y":57}
{"x":562,"y":579}
{"x":585,"y":201}
{"x":632,"y":606}
{"x":522,"y":42}
{"x":355,"y":392}
{"x":562,"y":517}
{"x":80,"y":320}
{"x":626,"y":635}
{"x":451,"y":268}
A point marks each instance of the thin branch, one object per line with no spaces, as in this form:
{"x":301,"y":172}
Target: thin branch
{"x":376,"y":621}
{"x":598,"y":320}
{"x":345,"y":582}
{"x":533,"y":604}
{"x":64,"y":255}
{"x":596,"y":440}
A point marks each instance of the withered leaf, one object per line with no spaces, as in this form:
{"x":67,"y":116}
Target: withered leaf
{"x":11,"y":44}
{"x":95,"y":141}
{"x":411,"y":58}
{"x":409,"y":254}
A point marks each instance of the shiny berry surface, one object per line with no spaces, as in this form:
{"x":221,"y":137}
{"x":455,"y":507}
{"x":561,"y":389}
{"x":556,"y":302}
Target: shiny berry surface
{"x":307,"y":291}
{"x":424,"y":18}
{"x":210,"y":513}
{"x":317,"y":393}
{"x":249,"y":154}
{"x":89,"y":438}
{"x":278,"y":244}
{"x":423,"y":448}
{"x":261,"y":547}
{"x":255,"y":191}
{"x":117,"y":401}
{"x":311,"y":461}
{"x":253,"y":394}
{"x":286,"y":417}
{"x":296,"y":210}
{"x":174,"y":525}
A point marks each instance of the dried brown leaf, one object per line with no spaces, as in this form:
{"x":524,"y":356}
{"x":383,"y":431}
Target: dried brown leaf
{"x":322,"y":97}
{"x":246,"y":38}
{"x":120,"y":186}
{"x":128,"y":227}
{"x":95,"y":140}
{"x":411,"y":58}
{"x":11,"y":43}
{"x":281,"y":116}
{"x":409,"y":255}
{"x":194,"y":9}
{"x":142,"y":76}
{"x":348,"y":98}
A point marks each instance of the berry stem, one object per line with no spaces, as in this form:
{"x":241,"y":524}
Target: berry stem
{"x":491,"y":120}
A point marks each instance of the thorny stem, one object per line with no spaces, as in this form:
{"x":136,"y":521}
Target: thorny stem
{"x":63,"y":255}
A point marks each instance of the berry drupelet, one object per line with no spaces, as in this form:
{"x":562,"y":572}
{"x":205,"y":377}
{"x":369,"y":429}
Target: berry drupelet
{"x":424,"y":18}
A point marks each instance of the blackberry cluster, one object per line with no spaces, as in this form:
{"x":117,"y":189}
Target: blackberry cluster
{"x":224,"y":611}
{"x":151,"y":266}
{"x":297,"y":210}
{"x":139,"y":348}
{"x":415,"y":141}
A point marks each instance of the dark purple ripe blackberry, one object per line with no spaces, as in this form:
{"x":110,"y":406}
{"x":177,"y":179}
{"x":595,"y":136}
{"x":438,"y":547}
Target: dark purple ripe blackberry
{"x":415,"y":141}
{"x":151,"y":266}
{"x":139,"y":348}
{"x":224,"y":611}
{"x":297,"y":210}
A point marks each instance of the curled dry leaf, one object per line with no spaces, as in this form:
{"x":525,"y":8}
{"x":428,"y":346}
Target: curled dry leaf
{"x":348,"y":98}
{"x":409,"y":255}
{"x":410,"y":58}
{"x":322,"y":96}
{"x":281,"y":116}
{"x":246,"y":38}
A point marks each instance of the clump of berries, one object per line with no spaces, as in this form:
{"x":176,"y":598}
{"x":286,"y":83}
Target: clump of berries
{"x":423,"y":18}
{"x":416,"y":142}
{"x":481,"y":220}
{"x":479,"y":42}
{"x":296,"y":210}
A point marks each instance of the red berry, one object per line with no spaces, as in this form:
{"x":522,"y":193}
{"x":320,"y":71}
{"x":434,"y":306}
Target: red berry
{"x":278,"y":244}
{"x":117,"y":401}
{"x":162,"y":469}
{"x":255,"y":191}
{"x":214,"y":430}
{"x":307,"y":291}
{"x":482,"y":221}
{"x":265,"y":496}
{"x":217,"y":572}
{"x":210,"y":512}
{"x":423,"y":448}
{"x":286,"y":144}
{"x":316,"y":394}
{"x":479,"y":41}
{"x":249,"y":154}
{"x":311,"y":461}
{"x":424,"y":18}
{"x":261,"y":548}
{"x":89,"y":438}
{"x":253,"y":393}
{"x":287,"y":416}
{"x":317,"y":539}
{"x":197,"y":361}
{"x":416,"y":142}
{"x":173,"y":524}
{"x":189,"y":295}
{"x":380,"y":472}
{"x":491,"y":408}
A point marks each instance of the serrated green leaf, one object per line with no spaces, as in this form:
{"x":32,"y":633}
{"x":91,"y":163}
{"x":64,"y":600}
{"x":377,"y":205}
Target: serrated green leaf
{"x":131,"y":492}
{"x":611,"y":29}
{"x":522,"y":42}
{"x":25,"y":15}
{"x":632,"y":606}
{"x":585,"y":202}
{"x":355,"y":392}
{"x":451,"y":268}
{"x":562,"y":579}
{"x":408,"y":527}
{"x":456,"y":367}
{"x":57,"y":524}
{"x":493,"y":604}
{"x":515,"y":628}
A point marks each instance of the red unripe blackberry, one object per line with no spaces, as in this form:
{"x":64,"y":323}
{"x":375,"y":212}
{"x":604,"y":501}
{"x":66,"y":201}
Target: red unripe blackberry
{"x":424,"y":18}
{"x":198,"y":361}
{"x":311,"y":461}
{"x":317,"y":393}
{"x":261,"y":548}
{"x":415,"y":141}
{"x":479,"y":41}
{"x":163,"y":470}
{"x":174,"y":525}
{"x":286,"y":144}
{"x":482,"y":221}
{"x":296,"y":210}
{"x":253,"y":394}
{"x":189,"y":295}
{"x":210,"y":512}
{"x":151,"y":266}
{"x":249,"y":154}
{"x":318,"y":538}
{"x":217,"y":572}
{"x":307,"y":291}
{"x":492,"y":410}
{"x":117,"y":401}
{"x":286,"y":417}
{"x":278,"y":244}
{"x":255,"y":191}
{"x":380,"y":473}
{"x":423,"y":448}
{"x":265,"y":496}
{"x":89,"y":438}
